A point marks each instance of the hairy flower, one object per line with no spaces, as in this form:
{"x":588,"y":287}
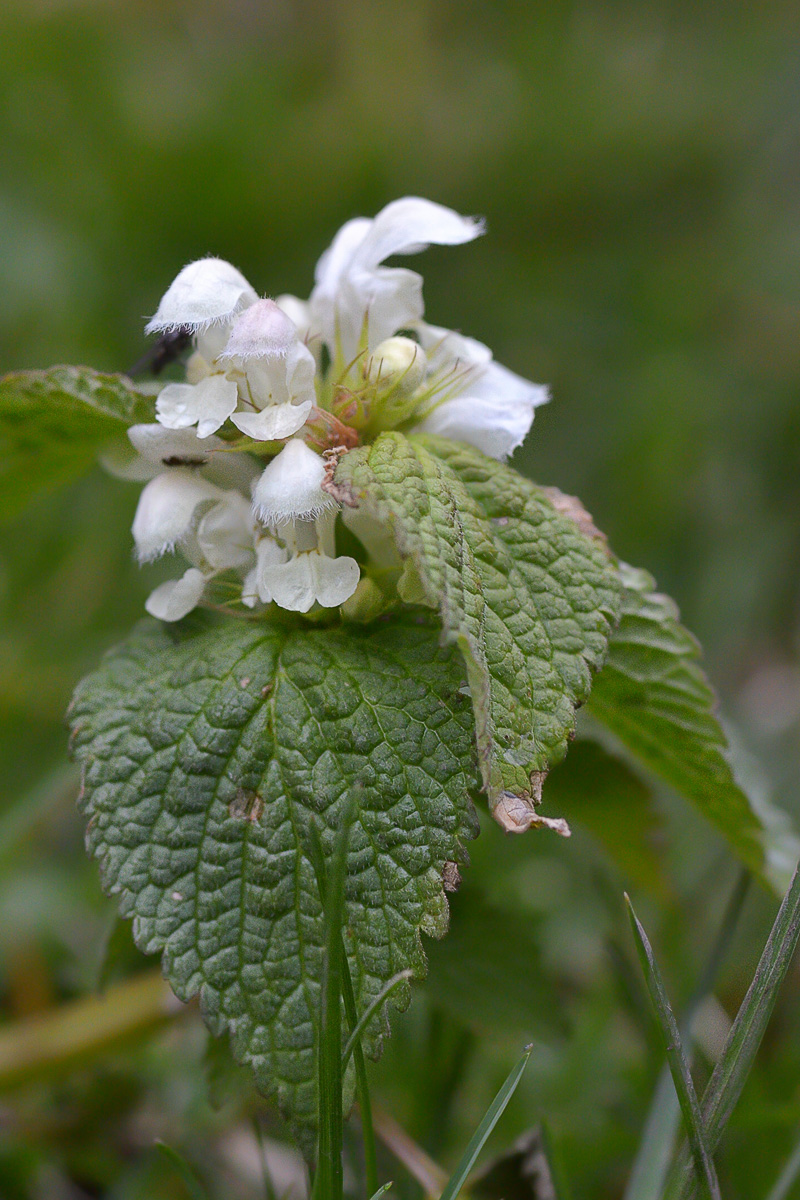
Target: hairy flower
{"x":286,"y":380}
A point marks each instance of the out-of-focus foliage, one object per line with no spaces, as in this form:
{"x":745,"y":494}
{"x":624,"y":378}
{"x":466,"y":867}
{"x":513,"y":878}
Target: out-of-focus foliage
{"x":637,"y":164}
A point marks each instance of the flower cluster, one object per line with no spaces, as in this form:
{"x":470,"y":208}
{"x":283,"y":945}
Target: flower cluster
{"x":297,"y":383}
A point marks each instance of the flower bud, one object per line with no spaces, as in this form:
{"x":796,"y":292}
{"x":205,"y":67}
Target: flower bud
{"x":397,"y":365}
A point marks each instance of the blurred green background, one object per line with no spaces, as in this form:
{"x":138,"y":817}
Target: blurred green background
{"x":638,"y":165}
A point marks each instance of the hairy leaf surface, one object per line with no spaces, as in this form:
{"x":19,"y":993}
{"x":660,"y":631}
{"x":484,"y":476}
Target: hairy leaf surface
{"x":53,"y":424}
{"x":527,"y":595}
{"x":206,"y":754}
{"x":654,"y":696}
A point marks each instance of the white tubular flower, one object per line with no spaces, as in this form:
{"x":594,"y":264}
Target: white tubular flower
{"x":297,"y":311}
{"x":290,"y":487}
{"x":311,"y":577}
{"x":205,"y":293}
{"x":351,"y":286}
{"x":206,"y":404}
{"x":155,"y":448}
{"x":166,"y":511}
{"x":279,"y":371}
{"x":174,"y":599}
{"x":484,"y":404}
{"x":225,"y":533}
{"x":257,"y":582}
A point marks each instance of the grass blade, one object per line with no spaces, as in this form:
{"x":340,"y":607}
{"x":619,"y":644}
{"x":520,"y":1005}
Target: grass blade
{"x":362,"y":1087}
{"x":788,"y":1176}
{"x":369,"y":1012}
{"x":481,"y":1134}
{"x":729,"y":1075}
{"x":328,"y":1180}
{"x":317,"y":855}
{"x":681,"y":1076}
{"x":652,"y":1163}
{"x":381,"y":1191}
{"x":182,"y":1168}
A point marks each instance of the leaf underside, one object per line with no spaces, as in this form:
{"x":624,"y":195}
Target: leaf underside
{"x":653,"y":695}
{"x":53,"y":424}
{"x":528,"y":597}
{"x":206,"y":754}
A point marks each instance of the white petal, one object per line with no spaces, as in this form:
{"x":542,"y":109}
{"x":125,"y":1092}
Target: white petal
{"x":335,"y":579}
{"x":296,"y":310}
{"x":412,"y":224}
{"x":207,"y":404}
{"x":262,"y":331}
{"x":177,"y":597}
{"x":290,"y":486}
{"x":310,"y":578}
{"x":166,"y":510}
{"x":493,"y":413}
{"x":274,"y":423}
{"x":337,"y":258}
{"x":234,"y":469}
{"x":250,"y":595}
{"x":289,"y":379}
{"x":158,"y":445}
{"x":268,"y":556}
{"x":351,"y":286}
{"x":445,"y":347}
{"x":225,"y":532}
{"x":203,"y":293}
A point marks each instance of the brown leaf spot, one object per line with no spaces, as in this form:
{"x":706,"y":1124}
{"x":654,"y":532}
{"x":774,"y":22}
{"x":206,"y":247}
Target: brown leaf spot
{"x":570,"y":506}
{"x":517,"y":814}
{"x":246,"y":805}
{"x":451,"y":877}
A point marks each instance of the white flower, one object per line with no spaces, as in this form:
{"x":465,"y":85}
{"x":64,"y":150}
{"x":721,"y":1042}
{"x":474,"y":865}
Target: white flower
{"x":166,"y":511}
{"x":206,"y":404}
{"x":279,"y":370}
{"x":353,"y":289}
{"x":290,"y":486}
{"x":155,"y":448}
{"x":225,"y":532}
{"x":174,"y":599}
{"x":257,"y":582}
{"x":205,"y":293}
{"x":484,"y":404}
{"x":310,"y":577}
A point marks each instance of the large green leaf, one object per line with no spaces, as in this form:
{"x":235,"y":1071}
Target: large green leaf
{"x":527,"y":594}
{"x":653,"y":695}
{"x":53,"y":423}
{"x":207,"y":753}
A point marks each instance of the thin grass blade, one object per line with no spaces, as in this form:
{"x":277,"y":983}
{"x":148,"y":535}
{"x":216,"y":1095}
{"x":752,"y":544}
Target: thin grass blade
{"x":381,"y":1191}
{"x":681,"y":1076}
{"x":187,"y":1173}
{"x":328,"y":1180}
{"x":651,"y":1166}
{"x":482,"y":1133}
{"x":369,"y":1013}
{"x":735,"y":1062}
{"x":788,"y":1176}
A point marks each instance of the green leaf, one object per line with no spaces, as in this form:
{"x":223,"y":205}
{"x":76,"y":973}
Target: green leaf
{"x":653,"y":695}
{"x":206,"y":754}
{"x":527,"y":595}
{"x":54,"y":423}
